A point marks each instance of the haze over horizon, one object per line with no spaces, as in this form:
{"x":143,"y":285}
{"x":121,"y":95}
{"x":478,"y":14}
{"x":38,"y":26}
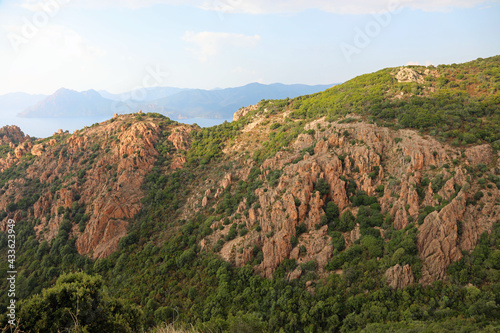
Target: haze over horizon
{"x":121,"y":46}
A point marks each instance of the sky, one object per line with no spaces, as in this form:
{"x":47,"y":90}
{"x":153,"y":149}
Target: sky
{"x":120,"y":45}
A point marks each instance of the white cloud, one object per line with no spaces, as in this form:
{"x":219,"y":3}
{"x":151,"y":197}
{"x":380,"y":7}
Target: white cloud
{"x":280,"y":6}
{"x":55,"y":40}
{"x":211,"y":43}
{"x":55,"y":54}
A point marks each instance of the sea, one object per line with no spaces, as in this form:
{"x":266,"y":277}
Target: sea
{"x":45,"y":127}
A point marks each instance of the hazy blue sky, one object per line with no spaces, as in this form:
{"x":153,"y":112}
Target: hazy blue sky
{"x":121,"y":45}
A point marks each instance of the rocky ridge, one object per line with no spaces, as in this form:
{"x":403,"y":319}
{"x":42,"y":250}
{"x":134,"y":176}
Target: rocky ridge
{"x":283,"y":183}
{"x":372,"y":157}
{"x":101,"y":168}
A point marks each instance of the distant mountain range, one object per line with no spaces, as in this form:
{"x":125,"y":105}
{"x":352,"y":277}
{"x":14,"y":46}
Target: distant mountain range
{"x":14,"y":102}
{"x":144,"y":95}
{"x":222,"y":103}
{"x":177,"y":103}
{"x":70,"y":103}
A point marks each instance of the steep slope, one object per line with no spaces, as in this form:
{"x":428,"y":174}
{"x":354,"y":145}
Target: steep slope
{"x":407,"y":174}
{"x":93,"y":178}
{"x":11,"y":135}
{"x":376,"y":201}
{"x":12,"y":144}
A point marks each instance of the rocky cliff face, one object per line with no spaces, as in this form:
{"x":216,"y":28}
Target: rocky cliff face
{"x":415,"y":178}
{"x":372,"y":157}
{"x":15,"y":143}
{"x":101,"y":168}
{"x":399,"y":276}
{"x":12,"y":135}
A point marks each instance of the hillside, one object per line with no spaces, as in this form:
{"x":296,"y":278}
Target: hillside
{"x":373,"y":206}
{"x":70,"y":103}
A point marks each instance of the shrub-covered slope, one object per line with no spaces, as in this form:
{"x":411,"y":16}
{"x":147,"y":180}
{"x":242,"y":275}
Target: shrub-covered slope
{"x":365,"y":207}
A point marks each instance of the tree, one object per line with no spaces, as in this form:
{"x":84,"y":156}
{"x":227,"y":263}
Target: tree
{"x":322,"y":186}
{"x":331,"y":211}
{"x":374,"y":246}
{"x":77,"y":301}
{"x":11,"y":207}
{"x":338,"y":240}
{"x":246,"y":322}
{"x":43,"y":249}
{"x":346,"y":222}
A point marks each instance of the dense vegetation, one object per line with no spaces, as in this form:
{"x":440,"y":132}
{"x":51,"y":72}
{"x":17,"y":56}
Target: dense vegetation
{"x":460,"y":102}
{"x":159,"y":274}
{"x":177,"y":282}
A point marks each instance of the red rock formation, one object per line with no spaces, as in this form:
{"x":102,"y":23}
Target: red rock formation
{"x":399,"y":276}
{"x":180,"y":137}
{"x":12,"y":135}
{"x":109,"y":184}
{"x":244,"y":111}
{"x":363,"y":147}
{"x":479,"y":154}
{"x":318,"y":247}
{"x":437,"y":240}
{"x":37,"y":150}
{"x":110,"y":187}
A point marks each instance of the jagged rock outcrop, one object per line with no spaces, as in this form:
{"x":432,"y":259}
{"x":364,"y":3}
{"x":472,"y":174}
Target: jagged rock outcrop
{"x":180,"y":137}
{"x":477,"y":220}
{"x":37,"y":149}
{"x":407,"y":205}
{"x":371,"y":157}
{"x":244,"y":111}
{"x":399,"y":276}
{"x":107,"y":225}
{"x":134,"y":154}
{"x":479,"y":154}
{"x":22,"y":149}
{"x":224,"y":184}
{"x":18,"y":143}
{"x":406,"y":74}
{"x":437,"y":240}
{"x":12,"y":135}
{"x":102,"y":168}
{"x":318,"y":248}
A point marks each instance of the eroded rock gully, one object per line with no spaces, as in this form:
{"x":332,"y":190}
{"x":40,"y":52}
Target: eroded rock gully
{"x":352,"y":152}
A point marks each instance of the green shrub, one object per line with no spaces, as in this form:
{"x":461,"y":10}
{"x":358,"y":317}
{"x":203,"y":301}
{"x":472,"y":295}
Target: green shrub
{"x":322,"y":186}
{"x":338,"y":241}
{"x":77,"y":299}
{"x":331,"y":211}
{"x":346,"y":222}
